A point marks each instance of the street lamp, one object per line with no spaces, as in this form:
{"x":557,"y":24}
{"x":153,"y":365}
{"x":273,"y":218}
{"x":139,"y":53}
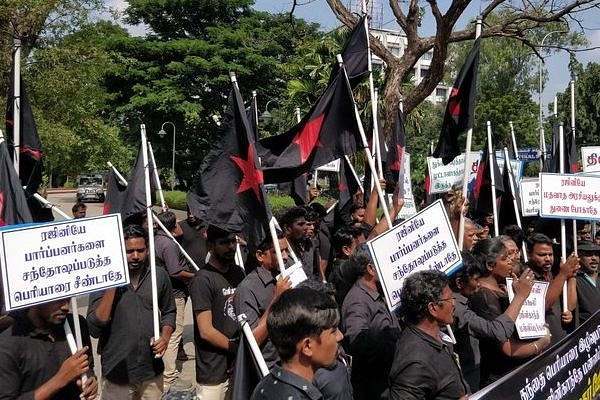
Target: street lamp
{"x":266,"y":115}
{"x":162,"y":134}
{"x":541,"y":116}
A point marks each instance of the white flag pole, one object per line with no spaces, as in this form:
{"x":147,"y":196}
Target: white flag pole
{"x":513,"y":140}
{"x":563,"y":230}
{"x":571,"y":161}
{"x":16,"y":103}
{"x":465,"y":185}
{"x":155,"y":308}
{"x":492,"y":177}
{"x":513,"y":191}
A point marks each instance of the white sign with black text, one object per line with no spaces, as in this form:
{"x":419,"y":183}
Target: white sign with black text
{"x":424,"y":241}
{"x":42,"y":263}
{"x":570,"y":196}
{"x":531,"y":322}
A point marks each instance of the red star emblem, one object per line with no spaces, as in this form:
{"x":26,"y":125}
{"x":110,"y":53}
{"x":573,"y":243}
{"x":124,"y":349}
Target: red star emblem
{"x":252,"y":177}
{"x":453,"y":103}
{"x":308,"y":137}
{"x":397,"y":162}
{"x":342,"y":187}
{"x":2,"y":222}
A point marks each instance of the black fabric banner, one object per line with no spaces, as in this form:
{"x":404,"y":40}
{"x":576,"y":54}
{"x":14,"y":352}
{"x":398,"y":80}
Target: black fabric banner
{"x":569,"y":370}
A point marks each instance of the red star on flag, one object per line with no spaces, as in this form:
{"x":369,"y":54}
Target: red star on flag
{"x":308,"y":137}
{"x":453,"y":104}
{"x":399,"y":153}
{"x":252,"y":177}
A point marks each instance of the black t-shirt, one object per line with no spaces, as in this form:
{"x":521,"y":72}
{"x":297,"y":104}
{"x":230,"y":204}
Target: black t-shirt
{"x":213,"y":291}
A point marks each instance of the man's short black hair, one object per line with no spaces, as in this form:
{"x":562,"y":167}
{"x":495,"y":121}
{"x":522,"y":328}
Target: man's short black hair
{"x":134,"y":231}
{"x":345,"y":236}
{"x":299,"y":313}
{"x":419,"y":290}
{"x":79,"y":205}
{"x":469,"y":269}
{"x":537,"y":238}
{"x":168,"y":219}
{"x":355,"y":207}
{"x":319,"y":209}
{"x":267,"y":242}
{"x":291,"y":215}
{"x":214,"y":232}
{"x":361,"y":257}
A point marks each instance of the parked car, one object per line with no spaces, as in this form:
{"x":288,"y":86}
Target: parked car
{"x":90,"y":187}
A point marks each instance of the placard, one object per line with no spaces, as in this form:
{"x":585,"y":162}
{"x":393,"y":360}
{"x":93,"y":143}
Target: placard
{"x":444,"y":177}
{"x":332,"y":166}
{"x":569,"y":196}
{"x":529,"y":190}
{"x":530,"y":323}
{"x":42,"y":263}
{"x":424,"y":241}
{"x":590,"y":158}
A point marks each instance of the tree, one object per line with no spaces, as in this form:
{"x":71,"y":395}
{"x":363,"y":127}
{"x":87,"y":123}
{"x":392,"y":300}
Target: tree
{"x":517,"y":22}
{"x":180,"y":71}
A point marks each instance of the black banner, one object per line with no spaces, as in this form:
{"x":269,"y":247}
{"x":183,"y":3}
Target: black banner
{"x":567,"y":370}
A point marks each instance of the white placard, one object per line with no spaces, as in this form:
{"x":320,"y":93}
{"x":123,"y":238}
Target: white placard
{"x":296,"y":274}
{"x":332,"y":166}
{"x":424,"y":241}
{"x":529,"y":190}
{"x":570,"y":196}
{"x":590,"y":158}
{"x":47,"y":262}
{"x":444,"y":177}
{"x":515,"y":165}
{"x":409,"y":208}
{"x":530,"y":323}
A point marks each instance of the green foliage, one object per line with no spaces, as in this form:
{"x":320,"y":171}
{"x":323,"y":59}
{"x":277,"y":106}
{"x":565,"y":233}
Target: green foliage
{"x":279,"y":202}
{"x":587,"y":104}
{"x":175,"y":200}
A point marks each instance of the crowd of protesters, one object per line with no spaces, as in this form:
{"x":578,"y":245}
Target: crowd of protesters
{"x":330,"y":337}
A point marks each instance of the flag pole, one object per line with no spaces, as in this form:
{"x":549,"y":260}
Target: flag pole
{"x":465,"y":185}
{"x":16,"y":103}
{"x":258,"y":357}
{"x":117,"y":173}
{"x":370,"y":160}
{"x":273,"y":232}
{"x":563,"y":230}
{"x":149,"y":218}
{"x":513,"y":140}
{"x":376,"y":143}
{"x":571,"y":161}
{"x":492,"y":178}
{"x":156,"y":178}
{"x":514,"y":198}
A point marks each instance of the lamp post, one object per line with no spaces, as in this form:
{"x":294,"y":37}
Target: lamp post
{"x":541,"y":116}
{"x":162,"y":134}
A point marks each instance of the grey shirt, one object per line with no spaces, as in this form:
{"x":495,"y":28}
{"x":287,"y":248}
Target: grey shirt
{"x":252,"y":297}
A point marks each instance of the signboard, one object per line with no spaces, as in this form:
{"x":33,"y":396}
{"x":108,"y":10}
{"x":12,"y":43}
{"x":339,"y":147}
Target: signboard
{"x":568,"y":370}
{"x":515,"y":165}
{"x":410,"y":208}
{"x":332,"y":166}
{"x":590,"y":158}
{"x":444,"y":177}
{"x":531,"y":321}
{"x":424,"y":241}
{"x":48,"y":262}
{"x":570,"y":196}
{"x":529,"y":190}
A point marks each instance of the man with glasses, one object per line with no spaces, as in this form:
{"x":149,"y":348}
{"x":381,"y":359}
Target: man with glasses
{"x":424,"y":365}
{"x":588,"y":285}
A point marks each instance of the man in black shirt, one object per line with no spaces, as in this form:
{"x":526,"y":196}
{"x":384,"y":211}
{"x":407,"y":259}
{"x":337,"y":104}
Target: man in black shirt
{"x":215,"y":326}
{"x":35,"y":359}
{"x":293,"y":223}
{"x":123,"y":320}
{"x":303,"y":327}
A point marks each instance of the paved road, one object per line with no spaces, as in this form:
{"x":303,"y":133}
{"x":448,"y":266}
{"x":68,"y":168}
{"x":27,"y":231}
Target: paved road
{"x":64,"y":200}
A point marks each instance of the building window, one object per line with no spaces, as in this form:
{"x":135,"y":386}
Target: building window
{"x":424,"y":72}
{"x":441,"y":92}
{"x":427,"y":56}
{"x":395,"y":50}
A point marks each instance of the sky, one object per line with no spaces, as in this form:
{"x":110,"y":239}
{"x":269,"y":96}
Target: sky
{"x":318,"y":11}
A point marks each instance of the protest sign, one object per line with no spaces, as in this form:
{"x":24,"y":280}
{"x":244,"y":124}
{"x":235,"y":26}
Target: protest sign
{"x":590,"y":158}
{"x":409,"y":208}
{"x":47,"y":262}
{"x":332,"y":166}
{"x":567,"y":370}
{"x":515,"y":165}
{"x":569,"y":196}
{"x":424,"y":241}
{"x":444,"y":177}
{"x":530,"y":323}
{"x":529,"y":190}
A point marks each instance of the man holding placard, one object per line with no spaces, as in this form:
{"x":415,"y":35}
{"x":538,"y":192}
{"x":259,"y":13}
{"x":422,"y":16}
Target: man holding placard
{"x":36,"y":360}
{"x":122,"y":319}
